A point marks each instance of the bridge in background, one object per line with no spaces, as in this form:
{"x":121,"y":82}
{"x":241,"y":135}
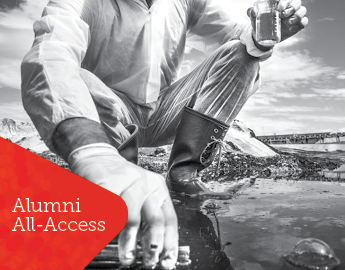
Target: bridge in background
{"x":304,"y":138}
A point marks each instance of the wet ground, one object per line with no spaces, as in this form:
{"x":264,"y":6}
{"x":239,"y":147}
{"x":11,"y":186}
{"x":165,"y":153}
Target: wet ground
{"x":262,"y":223}
{"x":257,"y":227}
{"x":235,"y":165}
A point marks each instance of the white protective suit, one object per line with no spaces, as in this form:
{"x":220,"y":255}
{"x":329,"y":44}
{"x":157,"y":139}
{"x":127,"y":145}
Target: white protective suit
{"x":130,"y":47}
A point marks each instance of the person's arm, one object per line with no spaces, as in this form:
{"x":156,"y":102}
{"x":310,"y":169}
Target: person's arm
{"x":54,"y":95}
{"x":211,"y":26}
{"x":62,"y":109}
{"x":73,"y":133}
{"x":52,"y":89}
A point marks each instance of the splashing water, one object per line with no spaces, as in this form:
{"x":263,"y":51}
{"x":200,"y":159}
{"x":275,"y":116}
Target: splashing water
{"x":312,"y":254}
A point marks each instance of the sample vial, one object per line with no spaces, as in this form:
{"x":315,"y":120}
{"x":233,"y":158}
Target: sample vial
{"x":268,"y":24}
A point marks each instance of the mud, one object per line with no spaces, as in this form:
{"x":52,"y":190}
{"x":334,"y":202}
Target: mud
{"x":263,"y":221}
{"x":235,"y":165}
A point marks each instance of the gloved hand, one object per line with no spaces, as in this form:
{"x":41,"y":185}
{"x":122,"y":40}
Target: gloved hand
{"x":292,"y":14}
{"x":151,"y":215}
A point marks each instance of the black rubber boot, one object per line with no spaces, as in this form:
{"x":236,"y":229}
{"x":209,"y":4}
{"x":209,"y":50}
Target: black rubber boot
{"x":129,"y":148}
{"x":194,"y":149}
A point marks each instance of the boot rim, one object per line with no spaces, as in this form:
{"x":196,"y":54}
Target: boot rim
{"x":207,"y":117}
{"x":133,"y":129}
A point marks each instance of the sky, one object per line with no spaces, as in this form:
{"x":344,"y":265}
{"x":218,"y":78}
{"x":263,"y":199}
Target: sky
{"x":303,"y":83}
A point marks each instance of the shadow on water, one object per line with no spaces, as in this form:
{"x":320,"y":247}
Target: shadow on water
{"x":199,"y":229}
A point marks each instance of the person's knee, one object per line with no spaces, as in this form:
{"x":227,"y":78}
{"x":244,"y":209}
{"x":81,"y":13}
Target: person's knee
{"x":91,"y":80}
{"x":237,"y":54}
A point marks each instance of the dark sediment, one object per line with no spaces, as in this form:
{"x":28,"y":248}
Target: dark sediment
{"x":236,"y":165}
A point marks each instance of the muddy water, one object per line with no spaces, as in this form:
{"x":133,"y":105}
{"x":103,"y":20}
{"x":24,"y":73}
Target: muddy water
{"x":262,"y":223}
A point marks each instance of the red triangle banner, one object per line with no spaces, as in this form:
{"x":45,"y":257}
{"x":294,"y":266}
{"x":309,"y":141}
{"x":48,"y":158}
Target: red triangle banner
{"x":50,"y":218}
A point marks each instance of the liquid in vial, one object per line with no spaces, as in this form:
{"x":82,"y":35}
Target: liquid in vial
{"x":268,"y":23}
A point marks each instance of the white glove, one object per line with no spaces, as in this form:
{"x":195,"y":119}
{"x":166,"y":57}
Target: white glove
{"x":151,"y":214}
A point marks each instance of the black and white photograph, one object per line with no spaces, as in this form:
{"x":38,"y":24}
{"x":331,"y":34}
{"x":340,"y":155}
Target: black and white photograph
{"x":220,"y":123}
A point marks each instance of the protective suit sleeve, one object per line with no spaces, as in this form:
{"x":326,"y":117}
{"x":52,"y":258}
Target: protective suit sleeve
{"x":52,"y":89}
{"x":215,"y":22}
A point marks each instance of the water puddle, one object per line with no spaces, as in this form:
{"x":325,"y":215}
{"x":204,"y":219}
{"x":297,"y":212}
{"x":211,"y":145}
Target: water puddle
{"x":260,"y":224}
{"x":263,"y":223}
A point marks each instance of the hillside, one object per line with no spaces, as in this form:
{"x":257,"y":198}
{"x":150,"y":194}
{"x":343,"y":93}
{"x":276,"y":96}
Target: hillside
{"x":244,"y":139}
{"x":23,"y":134}
{"x":15,"y":130}
{"x":244,"y":155}
{"x":240,"y":137}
